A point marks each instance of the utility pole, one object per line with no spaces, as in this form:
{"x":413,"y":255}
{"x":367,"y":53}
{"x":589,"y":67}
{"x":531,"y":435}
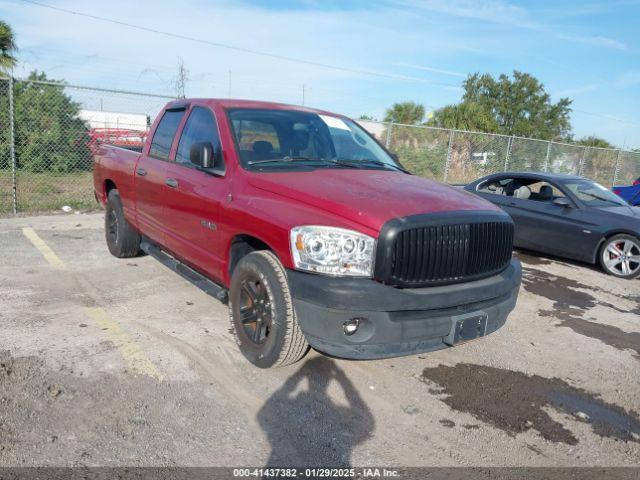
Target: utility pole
{"x":229,"y":85}
{"x":180,"y":83}
{"x":12,"y":145}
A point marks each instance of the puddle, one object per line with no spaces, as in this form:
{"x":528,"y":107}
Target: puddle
{"x":530,"y":259}
{"x":568,"y":293}
{"x":515,"y":402}
{"x":612,"y":336}
{"x":563,"y":292}
{"x":571,"y":302}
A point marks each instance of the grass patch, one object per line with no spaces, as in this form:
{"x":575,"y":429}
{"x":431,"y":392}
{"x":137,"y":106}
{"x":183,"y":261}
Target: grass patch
{"x":45,"y":192}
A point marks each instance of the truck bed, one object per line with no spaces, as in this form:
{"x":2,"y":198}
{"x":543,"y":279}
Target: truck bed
{"x":119,"y":164}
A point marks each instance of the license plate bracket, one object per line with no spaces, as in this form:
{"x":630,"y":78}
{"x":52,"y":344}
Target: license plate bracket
{"x":467,"y":327}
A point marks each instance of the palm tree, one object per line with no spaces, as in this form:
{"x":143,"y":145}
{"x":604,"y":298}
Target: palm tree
{"x":7,"y":47}
{"x":408,"y":113}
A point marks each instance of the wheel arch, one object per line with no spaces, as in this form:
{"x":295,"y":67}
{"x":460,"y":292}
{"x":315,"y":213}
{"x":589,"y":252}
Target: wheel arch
{"x":607,"y":236}
{"x":107,"y":186}
{"x":241,"y":245}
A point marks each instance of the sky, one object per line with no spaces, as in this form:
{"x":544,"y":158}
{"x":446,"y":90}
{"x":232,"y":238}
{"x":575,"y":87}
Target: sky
{"x":352,"y":56}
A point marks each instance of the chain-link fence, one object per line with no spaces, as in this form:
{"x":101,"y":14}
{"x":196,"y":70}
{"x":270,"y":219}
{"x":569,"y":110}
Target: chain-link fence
{"x":456,"y":156}
{"x":49,"y":131}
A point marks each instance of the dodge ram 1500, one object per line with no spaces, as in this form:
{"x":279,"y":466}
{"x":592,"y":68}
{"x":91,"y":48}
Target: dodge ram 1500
{"x":310,"y":229}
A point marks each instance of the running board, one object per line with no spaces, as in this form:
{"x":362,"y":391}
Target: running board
{"x":199,"y":280}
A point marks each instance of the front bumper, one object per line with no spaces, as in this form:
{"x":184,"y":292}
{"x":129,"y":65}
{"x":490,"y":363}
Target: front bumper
{"x":394,"y":321}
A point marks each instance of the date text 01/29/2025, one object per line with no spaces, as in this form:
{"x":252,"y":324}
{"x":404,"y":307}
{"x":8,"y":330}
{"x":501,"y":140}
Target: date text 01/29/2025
{"x":316,"y":472}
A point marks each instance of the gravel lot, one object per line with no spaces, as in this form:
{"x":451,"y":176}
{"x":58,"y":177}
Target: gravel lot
{"x":122,"y":362}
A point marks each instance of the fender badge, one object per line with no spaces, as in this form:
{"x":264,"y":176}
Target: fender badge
{"x":208,"y":224}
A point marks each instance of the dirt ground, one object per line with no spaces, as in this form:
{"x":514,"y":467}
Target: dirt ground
{"x":122,"y":362}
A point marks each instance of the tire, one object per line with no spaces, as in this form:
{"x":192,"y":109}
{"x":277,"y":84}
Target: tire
{"x":620,"y":256}
{"x":123,"y":240}
{"x":270,"y":335}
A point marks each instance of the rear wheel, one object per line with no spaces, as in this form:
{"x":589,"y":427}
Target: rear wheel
{"x":262,"y":314}
{"x":123,"y":240}
{"x":620,"y":256}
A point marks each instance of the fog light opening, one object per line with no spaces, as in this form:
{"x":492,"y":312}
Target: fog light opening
{"x":351,"y":326}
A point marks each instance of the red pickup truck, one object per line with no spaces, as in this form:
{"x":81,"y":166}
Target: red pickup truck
{"x":311,"y":230}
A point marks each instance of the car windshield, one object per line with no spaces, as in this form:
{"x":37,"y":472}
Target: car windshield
{"x":593,"y":194}
{"x":291,"y":139}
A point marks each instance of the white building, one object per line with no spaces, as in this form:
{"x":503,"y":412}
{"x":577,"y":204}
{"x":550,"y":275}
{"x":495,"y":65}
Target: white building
{"x":114,"y":120}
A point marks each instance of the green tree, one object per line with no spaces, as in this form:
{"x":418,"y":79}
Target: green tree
{"x":7,"y":47}
{"x":593,"y":141}
{"x":520,"y":105}
{"x":49,"y":136}
{"x":408,"y":113}
{"x":464,"y":116}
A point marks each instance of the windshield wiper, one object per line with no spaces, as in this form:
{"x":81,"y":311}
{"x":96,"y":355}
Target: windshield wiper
{"x":294,"y":158}
{"x":371,"y":161}
{"x":598,"y":197}
{"x":282,"y":159}
{"x":341,"y":162}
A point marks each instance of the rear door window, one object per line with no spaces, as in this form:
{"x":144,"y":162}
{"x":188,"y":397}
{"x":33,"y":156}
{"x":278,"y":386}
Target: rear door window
{"x":201,"y":126}
{"x":163,"y":136}
{"x":544,"y":192}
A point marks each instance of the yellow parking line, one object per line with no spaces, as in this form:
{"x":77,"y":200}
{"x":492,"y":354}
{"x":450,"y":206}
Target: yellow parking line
{"x":134,"y":357}
{"x":46,"y":252}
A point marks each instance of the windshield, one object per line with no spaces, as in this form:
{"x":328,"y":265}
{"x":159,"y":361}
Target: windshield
{"x":593,"y":194}
{"x":290,"y":139}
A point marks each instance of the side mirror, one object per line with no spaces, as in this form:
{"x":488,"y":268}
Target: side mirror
{"x":201,"y":154}
{"x":563,"y":202}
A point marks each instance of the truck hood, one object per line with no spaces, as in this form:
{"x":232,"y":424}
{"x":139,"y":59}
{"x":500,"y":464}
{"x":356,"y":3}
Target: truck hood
{"x":368,"y":197}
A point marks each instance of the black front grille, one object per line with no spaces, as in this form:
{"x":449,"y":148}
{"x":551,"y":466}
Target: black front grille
{"x":451,"y":250}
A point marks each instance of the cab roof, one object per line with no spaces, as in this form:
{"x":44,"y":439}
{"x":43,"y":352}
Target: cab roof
{"x":231,"y":103}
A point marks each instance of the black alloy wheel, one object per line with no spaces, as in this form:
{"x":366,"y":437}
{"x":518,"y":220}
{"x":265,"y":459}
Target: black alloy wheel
{"x":255,"y":310}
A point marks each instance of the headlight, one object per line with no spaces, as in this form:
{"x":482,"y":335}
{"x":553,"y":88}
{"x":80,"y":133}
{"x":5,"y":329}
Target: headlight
{"x":332,"y":251}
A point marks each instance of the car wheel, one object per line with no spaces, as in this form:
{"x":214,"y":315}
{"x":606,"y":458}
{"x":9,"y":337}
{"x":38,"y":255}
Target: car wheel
{"x":262,"y":314}
{"x":620,"y":256}
{"x":123,"y":240}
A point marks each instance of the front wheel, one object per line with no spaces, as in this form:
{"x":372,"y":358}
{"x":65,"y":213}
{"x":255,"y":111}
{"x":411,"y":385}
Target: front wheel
{"x":262,"y":314}
{"x":620,"y":256}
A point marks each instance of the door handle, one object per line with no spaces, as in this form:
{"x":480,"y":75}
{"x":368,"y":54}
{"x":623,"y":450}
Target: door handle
{"x":141,"y":171}
{"x":171,"y":182}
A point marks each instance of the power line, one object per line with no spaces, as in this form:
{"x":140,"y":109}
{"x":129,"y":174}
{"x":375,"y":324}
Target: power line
{"x":607,"y":117}
{"x":277,"y":56}
{"x":240,"y":49}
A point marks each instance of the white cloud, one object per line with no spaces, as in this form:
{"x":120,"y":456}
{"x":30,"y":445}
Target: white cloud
{"x":596,"y":40}
{"x":496,"y":11}
{"x":574,"y":91}
{"x":91,"y":52}
{"x":629,"y":79}
{"x":502,"y":12}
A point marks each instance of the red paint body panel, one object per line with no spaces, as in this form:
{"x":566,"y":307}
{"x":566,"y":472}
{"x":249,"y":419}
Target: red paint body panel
{"x":264,"y":205}
{"x":367,"y":197}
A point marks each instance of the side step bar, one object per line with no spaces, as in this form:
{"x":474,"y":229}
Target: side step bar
{"x":199,"y":280}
